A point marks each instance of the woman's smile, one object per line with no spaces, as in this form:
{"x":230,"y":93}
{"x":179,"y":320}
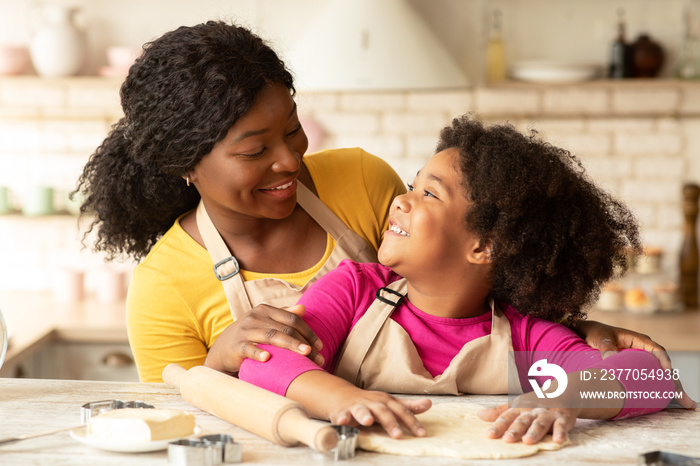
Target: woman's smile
{"x":281,"y":191}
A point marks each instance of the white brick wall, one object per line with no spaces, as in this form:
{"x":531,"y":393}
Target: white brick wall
{"x":639,"y":140}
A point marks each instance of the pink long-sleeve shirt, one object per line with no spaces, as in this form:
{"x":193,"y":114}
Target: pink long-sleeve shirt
{"x":339,"y":299}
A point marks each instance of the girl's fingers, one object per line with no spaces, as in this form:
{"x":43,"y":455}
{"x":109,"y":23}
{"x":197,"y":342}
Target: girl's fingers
{"x":406,"y":415}
{"x":561,"y":428}
{"x":491,"y":414}
{"x":362,"y":414}
{"x":417,"y":406}
{"x":539,"y":427}
{"x":519,"y":426}
{"x":502,"y":423}
{"x":388,"y":419}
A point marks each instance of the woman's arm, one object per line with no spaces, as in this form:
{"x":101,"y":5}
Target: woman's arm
{"x":328,"y":397}
{"x":263,"y":325}
{"x":161,"y":328}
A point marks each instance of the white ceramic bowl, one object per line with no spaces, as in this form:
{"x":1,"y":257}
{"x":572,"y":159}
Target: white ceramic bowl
{"x":14,"y":59}
{"x":552,"y":72}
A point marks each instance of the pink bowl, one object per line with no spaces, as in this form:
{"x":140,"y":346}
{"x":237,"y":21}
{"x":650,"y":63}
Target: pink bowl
{"x":14,"y":59}
{"x":121,"y":56}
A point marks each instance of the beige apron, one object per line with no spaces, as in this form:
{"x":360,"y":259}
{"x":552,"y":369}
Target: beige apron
{"x":379,"y":355}
{"x":243,"y":295}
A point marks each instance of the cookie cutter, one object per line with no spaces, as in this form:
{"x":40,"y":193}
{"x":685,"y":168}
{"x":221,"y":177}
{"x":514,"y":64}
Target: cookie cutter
{"x":347,"y":442}
{"x":346,"y":446}
{"x":88,"y":410}
{"x":664,"y":458}
{"x":207,"y":450}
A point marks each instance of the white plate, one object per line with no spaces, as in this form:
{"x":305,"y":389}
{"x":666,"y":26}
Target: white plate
{"x":552,"y":72}
{"x":79,"y":434}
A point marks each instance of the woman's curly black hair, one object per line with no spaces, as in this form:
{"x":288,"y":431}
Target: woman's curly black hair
{"x":180,"y":97}
{"x":555,"y":237}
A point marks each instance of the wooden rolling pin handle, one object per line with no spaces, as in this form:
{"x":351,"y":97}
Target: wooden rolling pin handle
{"x":172,"y":374}
{"x":299,"y":428}
{"x":255,"y":409}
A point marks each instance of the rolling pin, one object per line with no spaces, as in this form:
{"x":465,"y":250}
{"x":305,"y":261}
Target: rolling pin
{"x":271,"y":416}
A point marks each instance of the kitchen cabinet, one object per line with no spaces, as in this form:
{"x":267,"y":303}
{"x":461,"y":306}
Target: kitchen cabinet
{"x":85,"y":339}
{"x":65,"y":360}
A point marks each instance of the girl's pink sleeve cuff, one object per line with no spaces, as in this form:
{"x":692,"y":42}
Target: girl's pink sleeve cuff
{"x":278,"y":372}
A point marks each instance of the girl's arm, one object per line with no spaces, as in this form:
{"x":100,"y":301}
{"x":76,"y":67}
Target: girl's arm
{"x":328,"y":397}
{"x":529,"y":418}
{"x":616,"y":381}
{"x":609,"y":340}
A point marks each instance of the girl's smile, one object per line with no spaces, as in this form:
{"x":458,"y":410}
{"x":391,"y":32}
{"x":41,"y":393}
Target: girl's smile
{"x":427,"y":232}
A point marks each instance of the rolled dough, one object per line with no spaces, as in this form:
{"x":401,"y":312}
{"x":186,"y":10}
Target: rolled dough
{"x":453,"y":430}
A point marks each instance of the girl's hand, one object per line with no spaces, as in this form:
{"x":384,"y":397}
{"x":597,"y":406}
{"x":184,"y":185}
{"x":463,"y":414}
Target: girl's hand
{"x":609,"y":340}
{"x":366,"y":407}
{"x":529,"y":424}
{"x":264,"y":324}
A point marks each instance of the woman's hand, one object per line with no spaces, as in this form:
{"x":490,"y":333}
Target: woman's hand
{"x":365,"y":407}
{"x":528,"y":424}
{"x":264,"y":324}
{"x":609,"y":340}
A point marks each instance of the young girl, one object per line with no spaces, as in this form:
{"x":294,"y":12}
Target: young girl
{"x":498,"y":233}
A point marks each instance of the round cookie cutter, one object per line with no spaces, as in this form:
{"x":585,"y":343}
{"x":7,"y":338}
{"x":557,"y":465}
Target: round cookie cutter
{"x":346,"y":447}
{"x":93,"y":408}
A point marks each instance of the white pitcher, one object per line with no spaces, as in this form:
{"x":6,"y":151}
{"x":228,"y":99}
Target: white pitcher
{"x":58,"y":47}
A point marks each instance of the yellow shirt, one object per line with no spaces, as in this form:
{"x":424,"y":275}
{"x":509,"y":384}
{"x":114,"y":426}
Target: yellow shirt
{"x":176,"y":308}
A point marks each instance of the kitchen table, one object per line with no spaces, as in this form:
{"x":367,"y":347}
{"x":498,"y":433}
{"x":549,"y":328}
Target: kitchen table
{"x":31,"y":405}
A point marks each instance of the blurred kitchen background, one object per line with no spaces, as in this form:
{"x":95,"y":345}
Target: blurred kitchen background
{"x":638,"y":137}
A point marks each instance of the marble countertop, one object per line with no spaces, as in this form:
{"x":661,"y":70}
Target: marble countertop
{"x":40,"y":405}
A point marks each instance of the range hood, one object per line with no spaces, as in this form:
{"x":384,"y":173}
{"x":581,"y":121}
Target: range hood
{"x":371,"y":45}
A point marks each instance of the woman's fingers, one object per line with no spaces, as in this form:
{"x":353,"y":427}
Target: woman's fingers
{"x":685,"y":401}
{"x":281,"y":328}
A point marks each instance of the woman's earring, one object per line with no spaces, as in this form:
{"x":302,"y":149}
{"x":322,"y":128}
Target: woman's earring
{"x":188,"y":181}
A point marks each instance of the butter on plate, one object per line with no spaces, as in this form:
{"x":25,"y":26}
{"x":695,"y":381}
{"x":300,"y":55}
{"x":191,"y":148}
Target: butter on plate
{"x":137,"y":425}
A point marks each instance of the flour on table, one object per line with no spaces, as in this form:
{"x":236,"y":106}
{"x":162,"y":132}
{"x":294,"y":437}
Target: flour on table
{"x":453,"y":430}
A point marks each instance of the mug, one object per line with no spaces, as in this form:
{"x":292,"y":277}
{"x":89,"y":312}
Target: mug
{"x":38,"y":200}
{"x":5,"y":203}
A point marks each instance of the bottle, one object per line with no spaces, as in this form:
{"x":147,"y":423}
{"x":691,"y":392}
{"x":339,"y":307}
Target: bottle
{"x":495,"y":51}
{"x":689,"y":249}
{"x":620,"y":52}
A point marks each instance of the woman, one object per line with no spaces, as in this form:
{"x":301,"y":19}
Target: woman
{"x":210,"y":121}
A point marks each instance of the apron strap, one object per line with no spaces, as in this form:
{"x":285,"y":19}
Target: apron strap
{"x":365,"y":331}
{"x":320,"y":212}
{"x":225,"y":264}
{"x":226,"y":267}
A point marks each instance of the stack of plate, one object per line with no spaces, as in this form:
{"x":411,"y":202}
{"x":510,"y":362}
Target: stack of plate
{"x":553,"y":72}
